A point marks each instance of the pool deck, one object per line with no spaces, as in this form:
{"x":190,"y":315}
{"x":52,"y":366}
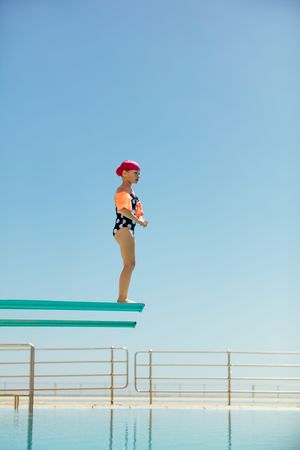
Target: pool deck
{"x":143,"y":403}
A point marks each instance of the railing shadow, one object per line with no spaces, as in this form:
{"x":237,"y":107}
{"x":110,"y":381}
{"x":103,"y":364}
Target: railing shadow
{"x":29,"y":430}
{"x":127,"y":443}
{"x":135,"y":444}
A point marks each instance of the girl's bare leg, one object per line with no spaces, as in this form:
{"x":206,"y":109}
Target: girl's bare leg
{"x":126,"y":242}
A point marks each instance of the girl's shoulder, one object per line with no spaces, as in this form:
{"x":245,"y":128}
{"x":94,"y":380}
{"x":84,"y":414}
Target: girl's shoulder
{"x":121,"y":189}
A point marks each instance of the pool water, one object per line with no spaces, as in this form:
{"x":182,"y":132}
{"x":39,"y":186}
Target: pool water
{"x":149,"y":429}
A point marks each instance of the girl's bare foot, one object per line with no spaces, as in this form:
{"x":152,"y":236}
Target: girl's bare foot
{"x":126,"y":301}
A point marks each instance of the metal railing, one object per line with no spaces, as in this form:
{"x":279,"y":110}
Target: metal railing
{"x":153,"y":362}
{"x":202,"y":376}
{"x":30,"y":389}
{"x":114,"y":364}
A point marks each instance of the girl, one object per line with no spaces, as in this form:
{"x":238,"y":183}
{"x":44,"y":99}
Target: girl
{"x":129,"y":211}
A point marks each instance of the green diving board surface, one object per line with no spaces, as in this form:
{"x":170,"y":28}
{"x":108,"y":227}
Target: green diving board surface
{"x":65,"y":323}
{"x":71,"y":305}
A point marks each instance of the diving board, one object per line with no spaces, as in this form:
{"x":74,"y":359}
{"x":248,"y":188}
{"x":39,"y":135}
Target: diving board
{"x":71,"y":305}
{"x":65,"y":323}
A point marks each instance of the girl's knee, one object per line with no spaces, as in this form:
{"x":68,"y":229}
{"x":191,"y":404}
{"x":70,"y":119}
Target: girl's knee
{"x":129,"y":265}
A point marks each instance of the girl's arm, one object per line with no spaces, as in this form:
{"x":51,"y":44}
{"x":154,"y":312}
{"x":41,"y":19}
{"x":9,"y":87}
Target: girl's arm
{"x":125,"y":212}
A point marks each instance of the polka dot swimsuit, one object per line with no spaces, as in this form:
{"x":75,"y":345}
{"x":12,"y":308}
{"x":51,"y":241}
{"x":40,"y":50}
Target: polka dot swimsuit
{"x":122,"y":221}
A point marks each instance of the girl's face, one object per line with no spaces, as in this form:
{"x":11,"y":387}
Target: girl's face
{"x":131,"y":176}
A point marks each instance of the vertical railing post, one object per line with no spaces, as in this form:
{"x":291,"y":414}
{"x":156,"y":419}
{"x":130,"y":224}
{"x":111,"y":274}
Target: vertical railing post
{"x":150,"y":376}
{"x":31,"y":377}
{"x":112,"y":376}
{"x":127,"y":367}
{"x":229,"y":376}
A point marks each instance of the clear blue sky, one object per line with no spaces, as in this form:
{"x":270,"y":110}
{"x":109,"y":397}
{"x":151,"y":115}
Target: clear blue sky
{"x":205,"y":96}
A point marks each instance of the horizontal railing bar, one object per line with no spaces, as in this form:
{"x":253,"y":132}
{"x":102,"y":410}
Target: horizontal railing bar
{"x":15,"y":362}
{"x":265,"y":353}
{"x":80,"y":362}
{"x":220,"y":378}
{"x":267,"y":378}
{"x":221,"y":352}
{"x":65,"y":362}
{"x":147,"y":364}
{"x":65,"y":389}
{"x":68,"y":375}
{"x":214,"y":365}
{"x":12,"y":347}
{"x":182,"y":378}
{"x":63,"y":348}
{"x":13,"y":395}
{"x":265,"y":365}
{"x":263,"y":392}
{"x":180,"y":352}
{"x":155,"y":391}
{"x":79,"y":348}
{"x":181,"y":365}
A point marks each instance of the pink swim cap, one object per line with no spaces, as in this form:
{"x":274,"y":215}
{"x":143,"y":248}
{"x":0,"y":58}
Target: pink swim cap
{"x":127,"y":165}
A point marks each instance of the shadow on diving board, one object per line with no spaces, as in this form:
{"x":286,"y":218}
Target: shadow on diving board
{"x":65,"y":323}
{"x":71,"y":305}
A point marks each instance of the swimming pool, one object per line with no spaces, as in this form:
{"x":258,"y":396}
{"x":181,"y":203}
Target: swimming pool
{"x":149,"y":429}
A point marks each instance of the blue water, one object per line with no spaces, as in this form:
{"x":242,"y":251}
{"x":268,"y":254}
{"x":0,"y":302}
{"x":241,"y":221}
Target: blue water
{"x":156,"y":429}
